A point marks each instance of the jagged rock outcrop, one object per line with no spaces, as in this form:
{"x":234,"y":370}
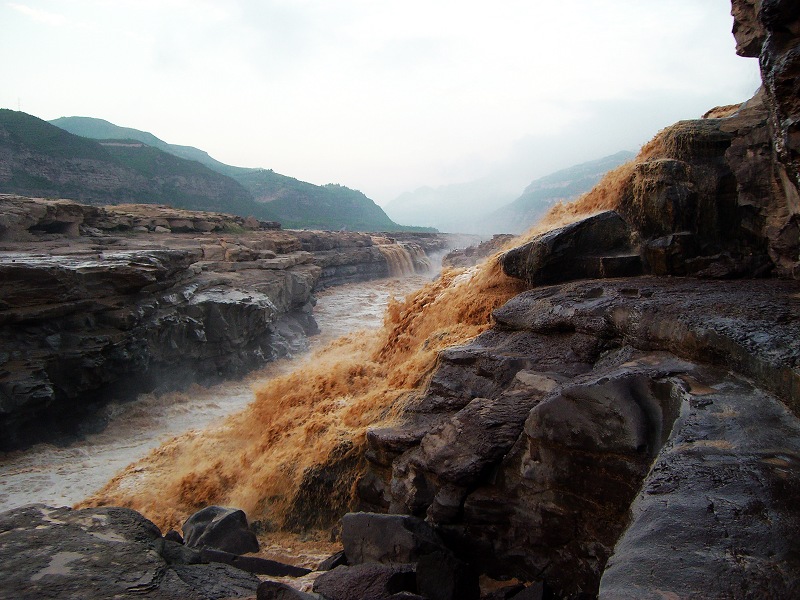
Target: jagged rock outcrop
{"x":532,"y":442}
{"x":104,"y":553}
{"x":775,"y":43}
{"x":635,"y":437}
{"x":103,"y":302}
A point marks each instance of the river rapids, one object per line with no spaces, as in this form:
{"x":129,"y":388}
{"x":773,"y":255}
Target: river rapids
{"x":65,"y":474}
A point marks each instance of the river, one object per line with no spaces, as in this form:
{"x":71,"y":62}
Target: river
{"x":63,"y":475}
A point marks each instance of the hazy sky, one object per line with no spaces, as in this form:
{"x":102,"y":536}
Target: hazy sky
{"x":379,"y":95}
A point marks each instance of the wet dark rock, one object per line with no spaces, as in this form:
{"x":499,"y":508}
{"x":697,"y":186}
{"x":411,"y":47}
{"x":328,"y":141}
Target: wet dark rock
{"x":378,"y":538}
{"x":598,"y":246}
{"x":220,"y":528}
{"x":101,"y":553}
{"x":253,"y":564}
{"x":719,"y":491}
{"x":371,"y":581}
{"x":275,"y":590}
{"x":177,"y":554}
{"x":535,"y":591}
{"x":548,"y":426}
{"x":441,"y":576}
{"x":206,"y":582}
{"x":173,"y":536}
{"x":333,"y":561}
{"x":504,"y":593}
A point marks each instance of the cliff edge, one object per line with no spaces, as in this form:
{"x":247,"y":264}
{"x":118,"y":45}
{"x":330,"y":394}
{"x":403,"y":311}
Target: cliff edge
{"x":629,"y":427}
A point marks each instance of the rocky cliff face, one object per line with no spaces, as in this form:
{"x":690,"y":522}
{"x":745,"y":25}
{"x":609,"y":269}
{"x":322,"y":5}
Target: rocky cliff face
{"x":618,"y":432}
{"x":629,"y":427}
{"x":105,"y":302}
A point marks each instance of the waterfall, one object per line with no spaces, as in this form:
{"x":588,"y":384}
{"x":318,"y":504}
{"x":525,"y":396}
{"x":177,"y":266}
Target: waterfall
{"x":405,"y":259}
{"x":422,"y":264}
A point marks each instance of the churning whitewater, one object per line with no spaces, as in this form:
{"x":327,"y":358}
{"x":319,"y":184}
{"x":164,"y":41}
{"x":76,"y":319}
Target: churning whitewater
{"x":65,"y":475}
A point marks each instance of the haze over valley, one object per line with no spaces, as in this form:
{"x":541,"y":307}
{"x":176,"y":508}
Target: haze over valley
{"x":370,"y":301}
{"x":381,"y":98}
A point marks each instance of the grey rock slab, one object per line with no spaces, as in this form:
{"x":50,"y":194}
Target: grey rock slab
{"x":717,"y":516}
{"x":253,"y":564}
{"x":378,"y":538}
{"x":100,"y":553}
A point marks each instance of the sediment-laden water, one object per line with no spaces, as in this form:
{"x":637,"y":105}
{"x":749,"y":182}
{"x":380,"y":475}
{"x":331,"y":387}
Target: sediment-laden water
{"x":65,"y":475}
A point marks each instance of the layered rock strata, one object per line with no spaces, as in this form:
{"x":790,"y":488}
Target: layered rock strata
{"x":531,"y":442}
{"x":621,"y":431}
{"x":99,"y":303}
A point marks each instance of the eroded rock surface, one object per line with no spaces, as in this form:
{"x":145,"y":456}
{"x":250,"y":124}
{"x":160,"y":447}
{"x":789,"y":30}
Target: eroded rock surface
{"x":102,"y":553}
{"x":104,"y":302}
{"x":532,"y":441}
{"x":637,"y":437}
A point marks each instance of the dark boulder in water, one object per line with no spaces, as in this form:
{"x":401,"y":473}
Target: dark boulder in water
{"x":220,"y":528}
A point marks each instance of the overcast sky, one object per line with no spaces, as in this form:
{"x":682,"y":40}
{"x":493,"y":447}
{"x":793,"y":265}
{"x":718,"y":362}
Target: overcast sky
{"x":379,"y":95}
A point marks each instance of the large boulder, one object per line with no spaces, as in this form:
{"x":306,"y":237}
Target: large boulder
{"x":597,"y":246}
{"x":102,"y":553}
{"x":372,"y":581}
{"x":220,"y":528}
{"x":377,"y":538}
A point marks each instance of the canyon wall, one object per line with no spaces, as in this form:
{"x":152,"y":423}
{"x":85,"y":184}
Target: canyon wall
{"x":629,"y":427}
{"x":104,"y":302}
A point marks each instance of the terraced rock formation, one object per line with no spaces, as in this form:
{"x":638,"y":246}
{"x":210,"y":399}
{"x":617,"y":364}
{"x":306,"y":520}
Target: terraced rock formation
{"x":102,"y":302}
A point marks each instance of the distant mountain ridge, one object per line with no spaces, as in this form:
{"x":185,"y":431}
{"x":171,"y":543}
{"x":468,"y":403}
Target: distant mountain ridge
{"x":485,"y":206}
{"x":50,"y":159}
{"x":100,"y":129}
{"x":562,"y":185}
{"x":454,"y":207}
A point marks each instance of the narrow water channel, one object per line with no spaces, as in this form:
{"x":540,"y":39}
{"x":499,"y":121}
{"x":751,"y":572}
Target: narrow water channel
{"x":62,"y":476}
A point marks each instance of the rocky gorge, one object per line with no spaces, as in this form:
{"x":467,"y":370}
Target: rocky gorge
{"x":627,"y":427}
{"x":103,"y":302}
{"x":635,"y":434}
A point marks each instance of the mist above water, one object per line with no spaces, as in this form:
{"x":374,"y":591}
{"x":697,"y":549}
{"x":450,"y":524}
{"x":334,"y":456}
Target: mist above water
{"x":64,"y":475}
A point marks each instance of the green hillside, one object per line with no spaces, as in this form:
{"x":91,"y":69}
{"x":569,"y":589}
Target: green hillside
{"x":40,"y":159}
{"x":100,"y":129}
{"x":294,"y":203}
{"x":23,"y":131}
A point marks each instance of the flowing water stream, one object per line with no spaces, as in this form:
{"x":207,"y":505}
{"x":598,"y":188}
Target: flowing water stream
{"x":64,"y":475}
